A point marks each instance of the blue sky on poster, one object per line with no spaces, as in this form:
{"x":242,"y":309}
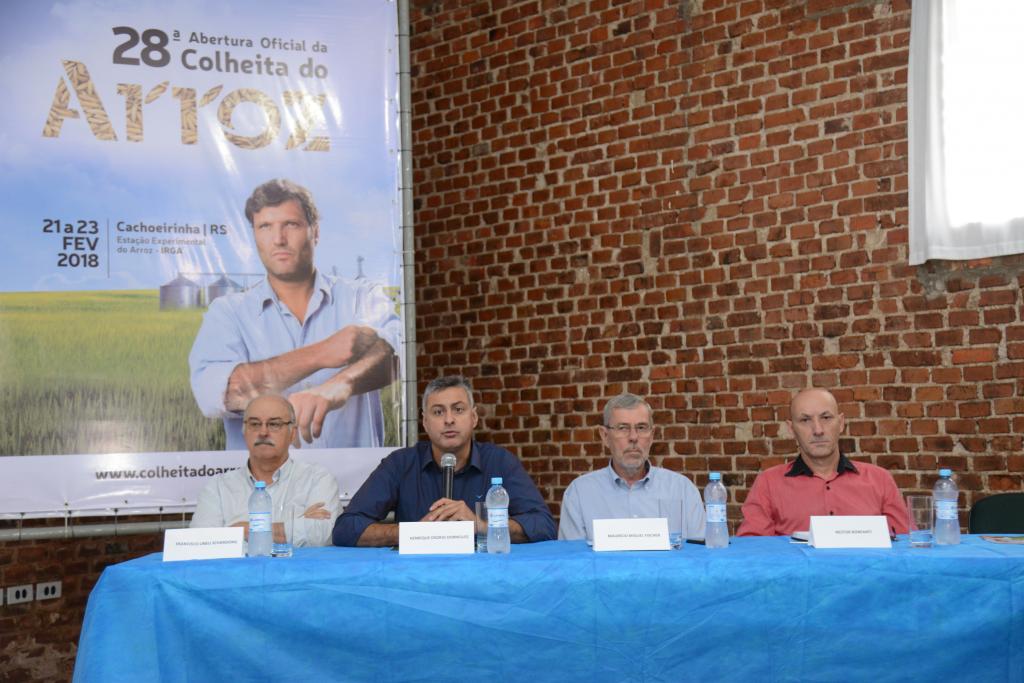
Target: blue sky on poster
{"x":160,"y":180}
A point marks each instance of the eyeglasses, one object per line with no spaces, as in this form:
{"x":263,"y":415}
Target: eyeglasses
{"x":623,"y":429}
{"x":272,"y":425}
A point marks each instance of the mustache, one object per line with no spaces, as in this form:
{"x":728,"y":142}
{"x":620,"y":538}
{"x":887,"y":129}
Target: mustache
{"x":263,"y":442}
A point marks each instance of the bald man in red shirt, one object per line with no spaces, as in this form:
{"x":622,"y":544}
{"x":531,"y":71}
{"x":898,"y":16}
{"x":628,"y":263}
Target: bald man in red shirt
{"x":821,"y":481}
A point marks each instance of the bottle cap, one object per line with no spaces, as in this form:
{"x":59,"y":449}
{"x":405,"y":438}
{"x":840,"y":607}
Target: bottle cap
{"x":715,"y":476}
{"x":945,"y":472}
{"x":261,"y":485}
{"x":495,"y":481}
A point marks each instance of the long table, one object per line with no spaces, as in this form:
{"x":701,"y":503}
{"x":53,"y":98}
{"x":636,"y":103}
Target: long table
{"x":761,"y":609}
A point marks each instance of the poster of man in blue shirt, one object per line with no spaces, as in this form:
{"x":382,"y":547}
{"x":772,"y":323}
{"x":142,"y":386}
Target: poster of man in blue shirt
{"x":327,"y":344}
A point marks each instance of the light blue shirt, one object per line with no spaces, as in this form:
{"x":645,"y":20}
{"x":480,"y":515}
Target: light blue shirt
{"x":603,"y":494}
{"x":254,"y":325}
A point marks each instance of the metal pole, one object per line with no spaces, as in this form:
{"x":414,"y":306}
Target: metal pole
{"x":410,"y":422}
{"x":89,"y":530}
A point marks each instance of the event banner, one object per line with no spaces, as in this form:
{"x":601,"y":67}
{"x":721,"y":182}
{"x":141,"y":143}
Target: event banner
{"x":114,"y":484}
{"x":202,"y":205}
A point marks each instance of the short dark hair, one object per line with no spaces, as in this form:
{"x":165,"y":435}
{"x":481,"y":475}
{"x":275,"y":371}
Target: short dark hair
{"x":447,"y":382}
{"x":278,"y":191}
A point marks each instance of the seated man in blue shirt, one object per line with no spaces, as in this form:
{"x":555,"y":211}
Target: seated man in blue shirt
{"x":629,"y":486}
{"x":409,"y":480}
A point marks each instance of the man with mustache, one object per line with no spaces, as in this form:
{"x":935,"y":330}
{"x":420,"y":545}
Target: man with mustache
{"x":327,"y":344}
{"x":306,"y":492}
{"x":629,"y":486}
{"x":821,"y":481}
{"x":408,"y":482}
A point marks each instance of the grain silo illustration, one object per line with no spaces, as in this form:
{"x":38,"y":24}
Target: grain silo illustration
{"x":221,"y":286}
{"x":180,"y":293}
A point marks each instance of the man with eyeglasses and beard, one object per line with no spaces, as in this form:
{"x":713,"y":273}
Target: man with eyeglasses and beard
{"x":629,"y":486}
{"x":305,"y":491}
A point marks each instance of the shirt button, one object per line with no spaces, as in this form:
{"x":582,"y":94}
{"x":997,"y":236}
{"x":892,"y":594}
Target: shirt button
{"x":828,"y":488}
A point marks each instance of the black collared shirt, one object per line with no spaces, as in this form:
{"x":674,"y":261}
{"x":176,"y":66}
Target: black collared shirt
{"x":800,"y":468}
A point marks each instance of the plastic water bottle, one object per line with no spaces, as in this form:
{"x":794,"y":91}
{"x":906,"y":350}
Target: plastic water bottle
{"x":716,"y":530}
{"x":498,"y":540}
{"x":944,"y":500}
{"x":260,"y":534}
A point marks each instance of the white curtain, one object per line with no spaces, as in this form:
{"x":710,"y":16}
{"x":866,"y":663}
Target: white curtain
{"x":966,"y":129}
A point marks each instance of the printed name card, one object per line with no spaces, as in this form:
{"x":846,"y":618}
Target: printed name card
{"x":435,"y":538}
{"x":644,"y":533}
{"x":203,"y":544}
{"x":850,"y":531}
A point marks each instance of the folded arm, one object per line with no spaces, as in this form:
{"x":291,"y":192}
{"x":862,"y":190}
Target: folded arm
{"x":315,"y":512}
{"x":374,"y":368}
{"x":273,"y":375}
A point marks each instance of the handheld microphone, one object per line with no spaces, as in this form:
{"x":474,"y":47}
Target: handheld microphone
{"x":448,"y":473}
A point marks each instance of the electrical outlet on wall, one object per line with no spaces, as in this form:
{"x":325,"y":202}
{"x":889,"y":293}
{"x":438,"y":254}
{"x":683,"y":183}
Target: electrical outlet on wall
{"x":19,"y":594}
{"x":48,"y":590}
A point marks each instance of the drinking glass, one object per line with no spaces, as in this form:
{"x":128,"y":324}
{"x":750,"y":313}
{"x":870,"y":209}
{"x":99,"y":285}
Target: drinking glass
{"x":283,"y":526}
{"x":480,"y":527}
{"x":919,"y":510}
{"x":672,"y":510}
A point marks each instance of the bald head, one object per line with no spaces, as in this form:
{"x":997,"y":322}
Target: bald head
{"x":270,"y":400}
{"x":812,"y":397}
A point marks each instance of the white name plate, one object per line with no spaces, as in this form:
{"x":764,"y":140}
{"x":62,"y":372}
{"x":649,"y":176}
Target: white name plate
{"x":850,"y":531}
{"x":435,"y":538}
{"x":203,"y":544}
{"x":643,"y":533}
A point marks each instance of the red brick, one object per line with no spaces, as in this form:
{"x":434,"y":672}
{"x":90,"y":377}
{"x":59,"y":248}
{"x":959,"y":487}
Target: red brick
{"x":614,"y":200}
{"x":962,"y":356}
{"x":1002,"y":482}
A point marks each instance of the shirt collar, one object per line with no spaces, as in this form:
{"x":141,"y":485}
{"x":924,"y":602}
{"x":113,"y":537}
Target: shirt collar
{"x":427,"y":457}
{"x":616,"y":479}
{"x":800,"y":468}
{"x":265,"y":295}
{"x":278,"y":473}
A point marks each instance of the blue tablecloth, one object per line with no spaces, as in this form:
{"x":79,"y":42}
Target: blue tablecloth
{"x":761,"y":609}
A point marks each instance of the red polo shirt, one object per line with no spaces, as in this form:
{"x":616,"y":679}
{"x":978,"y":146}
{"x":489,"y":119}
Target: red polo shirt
{"x":784,"y":497}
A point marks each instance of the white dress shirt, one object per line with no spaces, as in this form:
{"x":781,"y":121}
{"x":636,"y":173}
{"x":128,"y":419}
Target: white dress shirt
{"x":296,"y":486}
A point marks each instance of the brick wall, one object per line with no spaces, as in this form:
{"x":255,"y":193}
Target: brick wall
{"x":704,"y":202}
{"x":701,"y":201}
{"x":38,"y":640}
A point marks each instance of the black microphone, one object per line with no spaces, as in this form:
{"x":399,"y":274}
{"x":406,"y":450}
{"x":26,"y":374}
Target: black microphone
{"x":448,"y":473}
